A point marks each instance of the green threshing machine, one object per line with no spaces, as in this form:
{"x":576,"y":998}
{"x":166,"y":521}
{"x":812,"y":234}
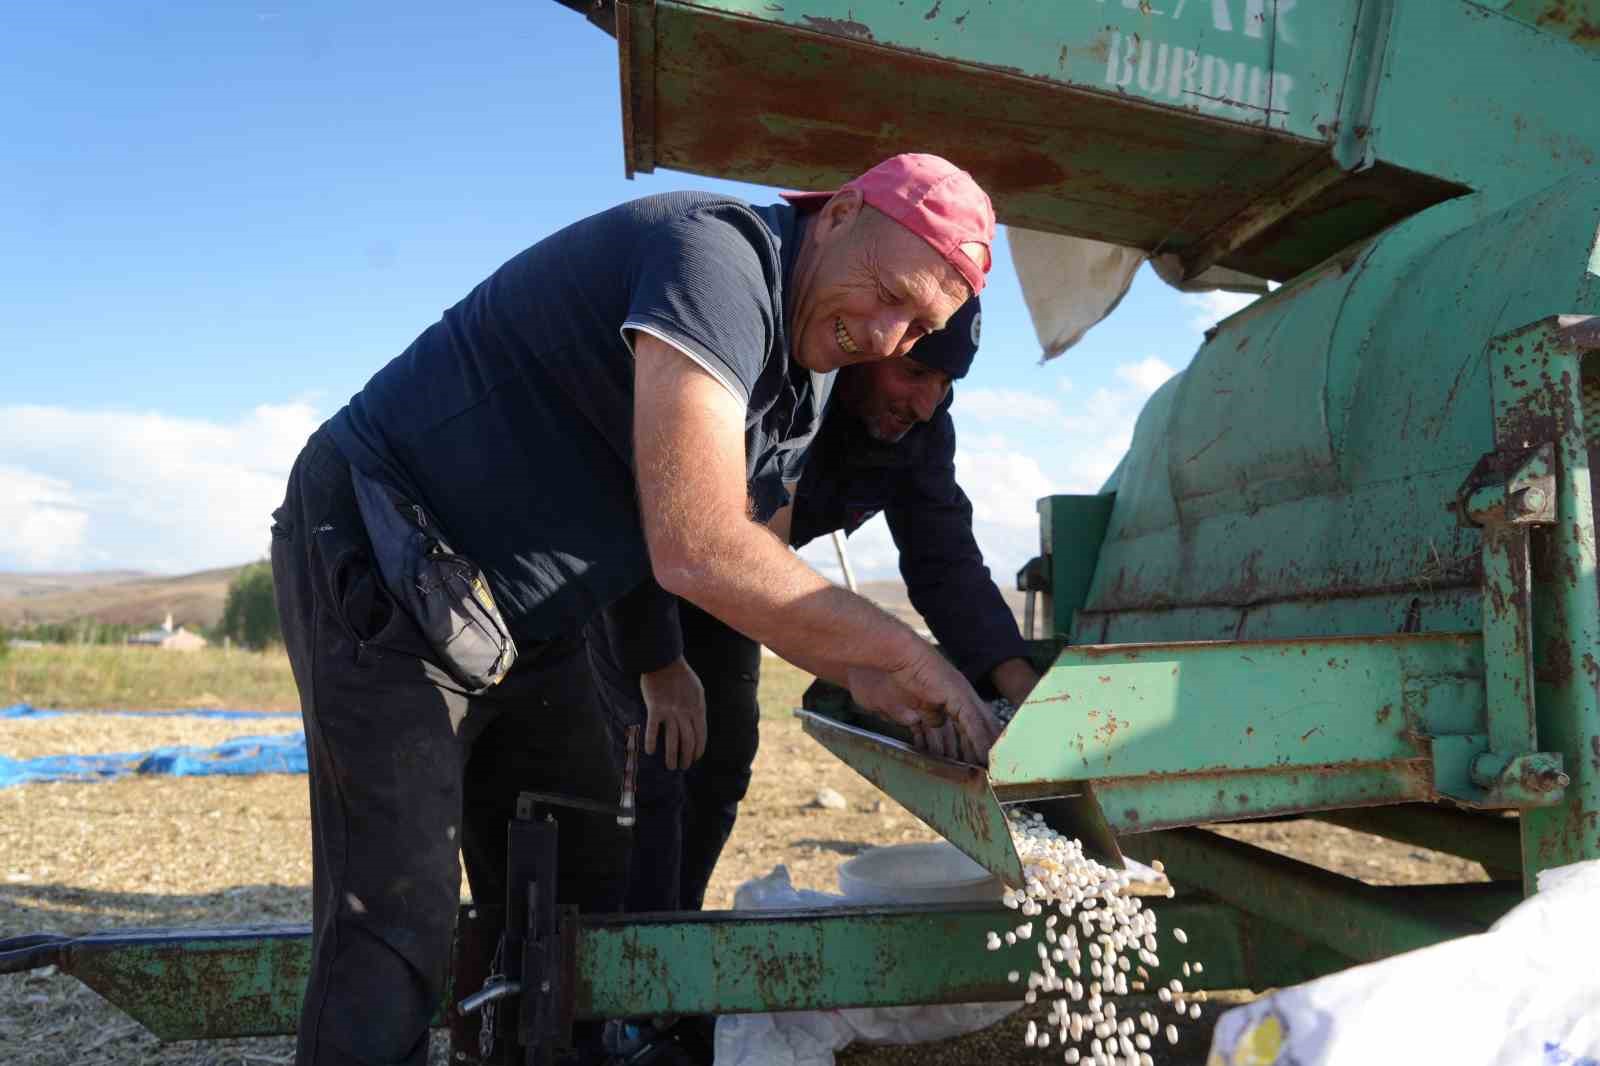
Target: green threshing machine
{"x":1346,"y":569}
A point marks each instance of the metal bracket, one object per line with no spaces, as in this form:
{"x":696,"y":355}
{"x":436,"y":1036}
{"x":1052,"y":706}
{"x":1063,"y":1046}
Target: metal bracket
{"x":1469,"y":773}
{"x":1511,"y":487}
{"x":1509,"y":491}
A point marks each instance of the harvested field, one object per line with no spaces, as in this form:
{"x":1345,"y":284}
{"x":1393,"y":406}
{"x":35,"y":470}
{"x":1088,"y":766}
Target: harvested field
{"x":220,"y":851}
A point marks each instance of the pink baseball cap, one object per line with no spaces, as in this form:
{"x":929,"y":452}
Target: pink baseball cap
{"x":931,"y":197}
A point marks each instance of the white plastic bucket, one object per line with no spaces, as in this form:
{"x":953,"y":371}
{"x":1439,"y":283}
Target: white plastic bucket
{"x":916,"y":873}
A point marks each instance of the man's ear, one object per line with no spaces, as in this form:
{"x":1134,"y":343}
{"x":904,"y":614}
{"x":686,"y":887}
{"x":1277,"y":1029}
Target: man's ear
{"x":839,"y":213}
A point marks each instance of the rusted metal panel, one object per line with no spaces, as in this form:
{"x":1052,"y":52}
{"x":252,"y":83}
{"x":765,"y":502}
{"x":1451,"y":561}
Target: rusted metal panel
{"x":191,"y":984}
{"x":186,"y":984}
{"x":1536,"y":373}
{"x":1117,"y":712}
{"x":954,"y":798}
{"x":1380,"y":358}
{"x":1139,"y":804}
{"x":1577,"y":21}
{"x":797,"y":98}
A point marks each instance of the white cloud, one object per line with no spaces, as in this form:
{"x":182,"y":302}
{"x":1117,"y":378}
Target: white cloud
{"x":44,"y":526}
{"x":1147,"y":375}
{"x":1005,"y":473}
{"x":153,"y":491}
{"x":1007,"y":405}
{"x":1209,"y":308}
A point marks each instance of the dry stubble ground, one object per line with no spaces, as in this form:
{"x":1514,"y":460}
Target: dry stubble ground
{"x":223,"y":851}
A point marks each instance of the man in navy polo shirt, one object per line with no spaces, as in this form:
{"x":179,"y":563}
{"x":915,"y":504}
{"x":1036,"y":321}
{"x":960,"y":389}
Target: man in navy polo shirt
{"x":616,"y":400}
{"x":887,"y":443}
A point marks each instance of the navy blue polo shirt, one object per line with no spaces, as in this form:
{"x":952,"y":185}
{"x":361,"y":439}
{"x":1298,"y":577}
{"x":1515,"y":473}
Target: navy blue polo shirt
{"x":511,"y":418}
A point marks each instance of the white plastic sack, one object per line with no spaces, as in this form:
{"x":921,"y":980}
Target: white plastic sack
{"x":810,"y":1038}
{"x":1072,"y":283}
{"x":1525,"y":993}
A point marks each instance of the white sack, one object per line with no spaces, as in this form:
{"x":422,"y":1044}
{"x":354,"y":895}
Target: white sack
{"x":1525,"y":993}
{"x":1072,"y":283}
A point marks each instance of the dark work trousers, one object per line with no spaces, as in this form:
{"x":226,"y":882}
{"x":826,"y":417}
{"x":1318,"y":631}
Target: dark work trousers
{"x":686,"y":816}
{"x":407,"y":772}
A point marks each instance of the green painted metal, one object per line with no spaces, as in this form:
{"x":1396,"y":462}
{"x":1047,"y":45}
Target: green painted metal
{"x":1136,"y":804}
{"x":187,"y":984}
{"x":1575,"y":20}
{"x":1207,"y":129}
{"x":1114,"y":712}
{"x":1305,"y":468}
{"x":1364,"y":922}
{"x":1246,"y":63}
{"x":1537,"y":371}
{"x":731,"y":962}
{"x":1071,"y":529}
{"x":952,"y":797}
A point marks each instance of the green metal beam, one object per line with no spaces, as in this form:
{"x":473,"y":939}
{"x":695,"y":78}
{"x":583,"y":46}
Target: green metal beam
{"x":1491,"y":839}
{"x":1139,"y":804}
{"x":1071,"y":529}
{"x":1364,"y":922}
{"x":198,"y":984}
{"x":1535,"y":374}
{"x":189,"y":984}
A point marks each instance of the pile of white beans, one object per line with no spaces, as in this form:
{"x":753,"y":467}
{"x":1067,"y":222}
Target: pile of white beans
{"x":1093,"y":943}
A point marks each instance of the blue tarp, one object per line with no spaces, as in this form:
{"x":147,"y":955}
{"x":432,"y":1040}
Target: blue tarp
{"x":282,"y":754}
{"x":23,"y":710}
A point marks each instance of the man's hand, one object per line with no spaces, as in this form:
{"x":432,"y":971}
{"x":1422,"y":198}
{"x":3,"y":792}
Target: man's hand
{"x":930,"y":697}
{"x":1014,"y":679}
{"x":675,"y":703}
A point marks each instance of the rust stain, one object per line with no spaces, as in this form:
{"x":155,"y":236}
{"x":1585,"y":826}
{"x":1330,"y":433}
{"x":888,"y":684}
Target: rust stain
{"x":1249,"y":730}
{"x":1385,"y":711}
{"x":840,"y":27}
{"x":1307,"y":734}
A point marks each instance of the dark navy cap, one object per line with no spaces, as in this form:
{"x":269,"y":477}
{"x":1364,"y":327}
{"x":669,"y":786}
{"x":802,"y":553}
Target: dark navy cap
{"x":952,"y":348}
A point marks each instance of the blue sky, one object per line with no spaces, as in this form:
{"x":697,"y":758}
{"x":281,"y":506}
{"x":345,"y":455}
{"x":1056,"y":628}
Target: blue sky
{"x":221,"y":219}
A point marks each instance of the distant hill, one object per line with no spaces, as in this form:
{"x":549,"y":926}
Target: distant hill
{"x":891,"y":596}
{"x":133,"y":598}
{"x":125,"y":597}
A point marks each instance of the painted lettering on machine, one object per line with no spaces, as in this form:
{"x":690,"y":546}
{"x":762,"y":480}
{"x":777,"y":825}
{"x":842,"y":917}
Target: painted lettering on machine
{"x":1254,"y":88}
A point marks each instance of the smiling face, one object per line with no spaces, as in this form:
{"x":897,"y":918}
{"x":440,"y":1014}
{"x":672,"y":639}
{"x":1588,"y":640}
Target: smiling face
{"x":890,"y":396}
{"x":866,"y":288}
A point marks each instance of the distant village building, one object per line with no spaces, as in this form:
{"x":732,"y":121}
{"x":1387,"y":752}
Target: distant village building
{"x":169,"y":638}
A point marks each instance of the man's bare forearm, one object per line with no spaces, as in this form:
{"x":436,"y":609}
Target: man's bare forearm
{"x":777,"y":600}
{"x":688,"y":444}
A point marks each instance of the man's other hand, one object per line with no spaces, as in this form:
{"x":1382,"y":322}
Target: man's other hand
{"x":675,"y":705}
{"x":930,"y":697}
{"x":1014,"y":679}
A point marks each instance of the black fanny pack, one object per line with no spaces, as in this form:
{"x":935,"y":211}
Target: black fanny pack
{"x":444,"y":593}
